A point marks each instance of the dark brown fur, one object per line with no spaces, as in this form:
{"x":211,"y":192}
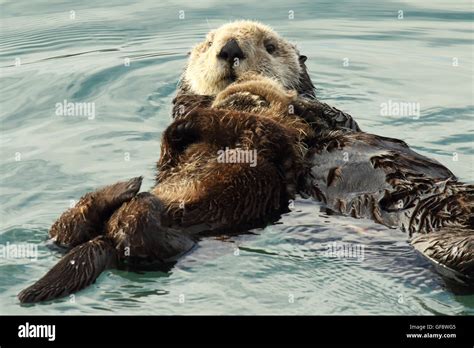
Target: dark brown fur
{"x":195,"y":195}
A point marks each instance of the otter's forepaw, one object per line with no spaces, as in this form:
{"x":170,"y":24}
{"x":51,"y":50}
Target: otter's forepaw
{"x":181,"y":134}
{"x":304,"y":109}
{"x":120,"y":192}
{"x":242,"y":101}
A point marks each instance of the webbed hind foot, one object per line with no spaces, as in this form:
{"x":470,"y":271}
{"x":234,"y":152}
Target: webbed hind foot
{"x":86,"y":219}
{"x":451,"y":251}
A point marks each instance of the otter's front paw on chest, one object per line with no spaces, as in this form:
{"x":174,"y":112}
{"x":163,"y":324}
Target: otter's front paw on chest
{"x":180,"y":134}
{"x":242,"y":101}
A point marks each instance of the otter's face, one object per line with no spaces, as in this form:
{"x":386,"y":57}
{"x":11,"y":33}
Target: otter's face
{"x":239,"y":47}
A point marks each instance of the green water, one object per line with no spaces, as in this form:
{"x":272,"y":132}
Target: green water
{"x":361,"y":55}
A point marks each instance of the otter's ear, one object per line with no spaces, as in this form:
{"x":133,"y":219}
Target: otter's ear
{"x":188,"y":53}
{"x":306,"y":87}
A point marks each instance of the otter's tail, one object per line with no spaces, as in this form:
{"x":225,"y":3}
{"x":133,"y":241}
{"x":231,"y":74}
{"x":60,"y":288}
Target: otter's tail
{"x":76,"y":270}
{"x":451,"y":250}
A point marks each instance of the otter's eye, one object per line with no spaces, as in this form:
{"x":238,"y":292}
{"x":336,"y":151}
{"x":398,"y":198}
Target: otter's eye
{"x":270,"y":48}
{"x":209,"y":43}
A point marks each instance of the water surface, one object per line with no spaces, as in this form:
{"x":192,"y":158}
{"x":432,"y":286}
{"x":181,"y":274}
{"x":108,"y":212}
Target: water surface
{"x":361,"y":55}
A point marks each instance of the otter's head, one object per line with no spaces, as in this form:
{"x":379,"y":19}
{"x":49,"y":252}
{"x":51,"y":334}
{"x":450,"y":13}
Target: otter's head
{"x":245,"y":46}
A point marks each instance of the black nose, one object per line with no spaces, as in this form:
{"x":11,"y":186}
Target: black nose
{"x":231,"y":51}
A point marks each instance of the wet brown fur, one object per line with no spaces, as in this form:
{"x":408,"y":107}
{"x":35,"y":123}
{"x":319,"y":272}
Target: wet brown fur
{"x":368,"y":176}
{"x":280,"y":119}
{"x":195,"y":194}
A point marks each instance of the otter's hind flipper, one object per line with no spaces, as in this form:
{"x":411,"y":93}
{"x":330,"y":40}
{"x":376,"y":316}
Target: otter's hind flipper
{"x":75,"y":271}
{"x":451,"y":250}
{"x":86,"y":219}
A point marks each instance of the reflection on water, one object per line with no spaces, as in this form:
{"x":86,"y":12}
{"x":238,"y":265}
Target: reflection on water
{"x":127,"y":58}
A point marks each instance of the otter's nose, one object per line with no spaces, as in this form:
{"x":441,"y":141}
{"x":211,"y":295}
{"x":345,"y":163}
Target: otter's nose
{"x":231,"y":51}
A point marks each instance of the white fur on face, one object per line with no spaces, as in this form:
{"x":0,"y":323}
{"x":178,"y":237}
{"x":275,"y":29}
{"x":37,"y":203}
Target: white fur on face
{"x":206,"y":74}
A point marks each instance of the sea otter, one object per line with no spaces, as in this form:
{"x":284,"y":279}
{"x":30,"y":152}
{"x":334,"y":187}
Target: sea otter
{"x":251,"y":108}
{"x":369,"y":176}
{"x":379,"y":178}
{"x":195,"y":195}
